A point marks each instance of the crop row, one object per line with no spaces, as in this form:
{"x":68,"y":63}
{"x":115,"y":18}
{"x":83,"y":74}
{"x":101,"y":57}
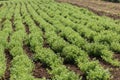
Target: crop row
{"x":73,"y":34}
{"x":100,"y":43}
{"x":65,"y":49}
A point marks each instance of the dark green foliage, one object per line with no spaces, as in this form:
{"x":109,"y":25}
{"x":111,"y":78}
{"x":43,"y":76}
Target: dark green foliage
{"x":113,"y":0}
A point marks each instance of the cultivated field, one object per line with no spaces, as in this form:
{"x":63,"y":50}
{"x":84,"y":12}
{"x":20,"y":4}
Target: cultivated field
{"x":48,"y":40}
{"x":100,"y":7}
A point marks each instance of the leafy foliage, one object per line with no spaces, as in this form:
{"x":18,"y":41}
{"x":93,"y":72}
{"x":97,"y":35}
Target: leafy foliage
{"x":56,"y":32}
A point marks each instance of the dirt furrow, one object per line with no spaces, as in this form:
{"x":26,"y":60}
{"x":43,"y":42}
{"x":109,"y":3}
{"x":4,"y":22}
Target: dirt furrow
{"x":8,"y":64}
{"x":40,"y":70}
{"x":72,"y":67}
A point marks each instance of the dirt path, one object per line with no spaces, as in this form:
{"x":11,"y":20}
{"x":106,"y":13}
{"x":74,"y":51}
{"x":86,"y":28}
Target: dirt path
{"x":100,"y":7}
{"x":8,"y":64}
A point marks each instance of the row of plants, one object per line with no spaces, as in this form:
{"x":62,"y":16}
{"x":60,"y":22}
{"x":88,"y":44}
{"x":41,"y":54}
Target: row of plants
{"x":11,"y":11}
{"x":68,"y":19}
{"x":3,"y":11}
{"x":82,"y":43}
{"x":82,"y":16}
{"x":71,"y":52}
{"x":109,"y":36}
{"x":5,"y":31}
{"x":46,"y":55}
{"x":73,"y":34}
{"x":21,"y":66}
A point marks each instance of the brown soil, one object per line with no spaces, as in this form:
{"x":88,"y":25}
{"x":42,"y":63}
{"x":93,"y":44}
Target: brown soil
{"x":1,"y":23}
{"x":28,"y":51}
{"x":117,"y":56}
{"x":40,"y":71}
{"x":99,"y":7}
{"x":37,"y":23}
{"x":26,"y":28}
{"x":115,"y":72}
{"x":72,"y":67}
{"x":3,"y":20}
{"x":8,"y":39}
{"x":12,"y":21}
{"x":45,"y":44}
{"x":7,"y":72}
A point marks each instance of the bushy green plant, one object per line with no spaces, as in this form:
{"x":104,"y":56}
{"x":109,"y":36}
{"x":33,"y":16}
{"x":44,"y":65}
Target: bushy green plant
{"x":98,"y":74}
{"x":21,"y":68}
{"x":2,"y":61}
{"x":115,"y":46}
